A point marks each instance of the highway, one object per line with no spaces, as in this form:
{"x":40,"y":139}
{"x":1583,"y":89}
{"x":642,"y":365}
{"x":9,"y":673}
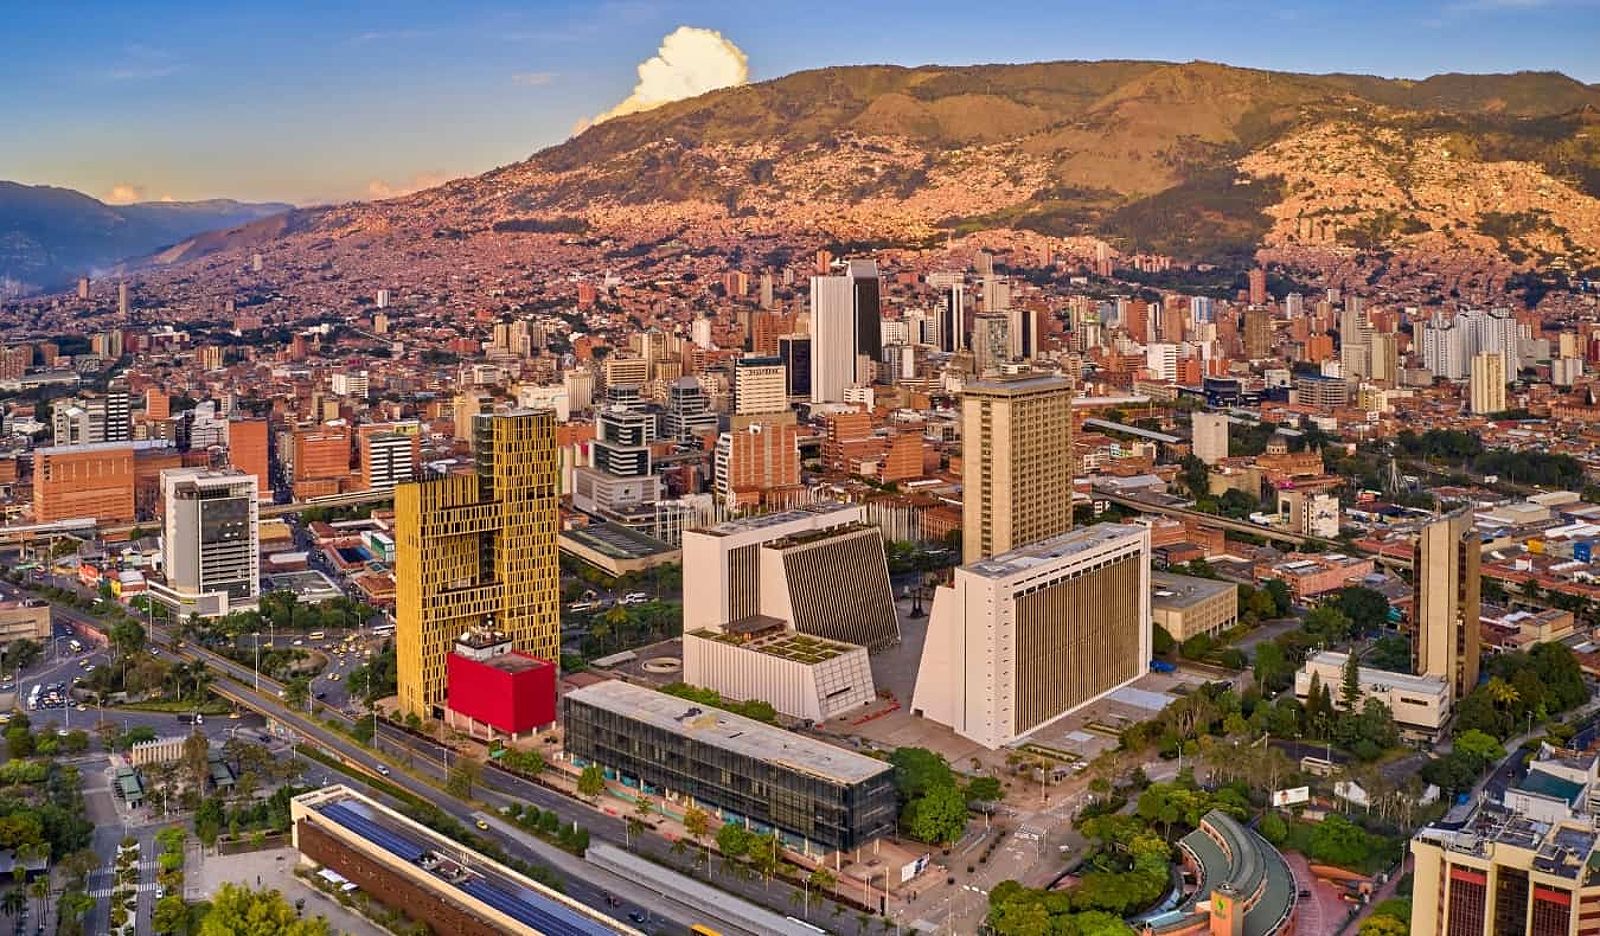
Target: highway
{"x":581,"y":880}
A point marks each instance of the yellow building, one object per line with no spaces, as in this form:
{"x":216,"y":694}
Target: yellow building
{"x":469,"y":547}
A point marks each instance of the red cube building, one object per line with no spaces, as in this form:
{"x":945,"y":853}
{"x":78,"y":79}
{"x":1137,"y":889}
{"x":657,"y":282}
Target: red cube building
{"x":495,"y":691}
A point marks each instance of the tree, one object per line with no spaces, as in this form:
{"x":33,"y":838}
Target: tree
{"x":1196,"y":476}
{"x":239,"y":911}
{"x":463,"y":778}
{"x":197,"y":760}
{"x":1384,"y":925}
{"x":13,"y":901}
{"x":938,"y":817}
{"x":1368,"y":610}
{"x":917,"y":771}
{"x":127,"y":637}
{"x":171,"y":915}
{"x":23,"y":653}
{"x":591,"y":783}
{"x":696,"y":822}
{"x":1273,"y":828}
{"x":1479,"y":746}
{"x":1350,"y":683}
{"x":1272,"y":670}
{"x":734,"y":841}
{"x":984,"y":789}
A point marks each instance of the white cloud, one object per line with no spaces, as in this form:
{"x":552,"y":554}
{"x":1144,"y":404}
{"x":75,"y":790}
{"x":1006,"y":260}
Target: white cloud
{"x":380,"y":188}
{"x":533,"y":79}
{"x":124,"y":193}
{"x":690,"y":62}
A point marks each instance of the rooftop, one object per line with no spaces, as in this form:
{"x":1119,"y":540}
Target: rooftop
{"x":1185,"y":591}
{"x":616,"y":540}
{"x":819,"y":510}
{"x":1539,"y":783}
{"x":785,"y":645}
{"x":730,"y":732}
{"x":1420,"y":685}
{"x":1016,"y":385}
{"x":1059,"y":547}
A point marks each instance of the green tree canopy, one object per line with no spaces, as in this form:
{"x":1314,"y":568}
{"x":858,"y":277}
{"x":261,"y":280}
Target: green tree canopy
{"x":240,"y":911}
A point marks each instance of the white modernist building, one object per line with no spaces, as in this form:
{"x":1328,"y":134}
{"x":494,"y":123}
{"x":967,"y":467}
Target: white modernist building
{"x":210,"y":542}
{"x":1021,"y":639}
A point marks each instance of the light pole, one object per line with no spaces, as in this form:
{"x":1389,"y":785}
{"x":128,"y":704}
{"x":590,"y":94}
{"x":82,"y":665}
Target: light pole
{"x":257,"y":642}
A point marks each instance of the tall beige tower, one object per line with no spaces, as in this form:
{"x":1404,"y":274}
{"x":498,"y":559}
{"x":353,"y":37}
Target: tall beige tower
{"x":1488,"y":387}
{"x":1445,"y":562}
{"x":471,"y":547}
{"x":1016,"y":464}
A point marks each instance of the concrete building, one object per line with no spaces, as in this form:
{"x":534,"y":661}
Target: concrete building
{"x":471,"y":547}
{"x":92,"y":480}
{"x":429,"y":877}
{"x":25,"y":619}
{"x":210,"y":542}
{"x":1420,"y":704}
{"x":497,"y":691}
{"x":1445,"y":641}
{"x":757,"y":464}
{"x":845,"y":333}
{"x":1019,"y":640}
{"x":760,"y":390}
{"x":991,"y":341}
{"x":1487,"y":390}
{"x":689,"y":414}
{"x":818,"y":569}
{"x":348,"y":384}
{"x":820,"y":798}
{"x":1210,"y":431}
{"x":1016,"y":466}
{"x":91,"y":420}
{"x":801,"y":676}
{"x":1185,"y":606}
{"x":249,"y":451}
{"x":390,"y":454}
{"x":1500,"y":872}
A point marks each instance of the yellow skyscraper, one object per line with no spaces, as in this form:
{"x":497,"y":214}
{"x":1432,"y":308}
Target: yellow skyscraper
{"x":469,"y":547}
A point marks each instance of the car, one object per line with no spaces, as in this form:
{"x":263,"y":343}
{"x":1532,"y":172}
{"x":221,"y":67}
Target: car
{"x":635,"y":598}
{"x":384,"y":771}
{"x":334,"y":677}
{"x":234,"y":715}
{"x":482,"y":825}
{"x":90,"y":668}
{"x":637,"y":917}
{"x":82,"y":707}
{"x":199,"y":719}
{"x":160,"y":892}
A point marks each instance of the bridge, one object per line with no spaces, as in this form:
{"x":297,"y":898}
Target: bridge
{"x":1228,"y":524}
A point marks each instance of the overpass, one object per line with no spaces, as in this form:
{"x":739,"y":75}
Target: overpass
{"x":1228,"y":524}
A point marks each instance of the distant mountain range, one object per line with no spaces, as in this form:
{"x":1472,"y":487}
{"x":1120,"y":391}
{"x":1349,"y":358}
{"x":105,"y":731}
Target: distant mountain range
{"x":1196,"y":160}
{"x":50,"y":236}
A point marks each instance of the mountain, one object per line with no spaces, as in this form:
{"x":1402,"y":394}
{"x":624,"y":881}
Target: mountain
{"x":50,"y":236}
{"x":1198,"y":160}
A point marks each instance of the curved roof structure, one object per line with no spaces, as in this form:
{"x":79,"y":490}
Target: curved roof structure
{"x":1229,"y":855}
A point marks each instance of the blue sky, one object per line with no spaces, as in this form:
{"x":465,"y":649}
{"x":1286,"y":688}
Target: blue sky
{"x":308,"y":101}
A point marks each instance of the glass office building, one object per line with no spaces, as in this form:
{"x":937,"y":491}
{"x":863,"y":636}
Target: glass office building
{"x":819,"y":797}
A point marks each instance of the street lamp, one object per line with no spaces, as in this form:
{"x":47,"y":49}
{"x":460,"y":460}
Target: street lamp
{"x":257,"y":641}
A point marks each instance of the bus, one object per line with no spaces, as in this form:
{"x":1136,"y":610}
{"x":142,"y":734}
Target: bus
{"x":76,"y":646}
{"x":316,"y":635}
{"x":383,"y":630}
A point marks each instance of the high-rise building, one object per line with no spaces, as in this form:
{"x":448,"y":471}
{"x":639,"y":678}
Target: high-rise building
{"x":1210,"y":431}
{"x":1022,"y":333}
{"x":844,"y":330}
{"x":210,"y":542}
{"x":757,"y":463}
{"x":346,"y":383}
{"x":72,"y":481}
{"x":1487,"y":391}
{"x":157,"y":405}
{"x":689,"y":414}
{"x":1355,"y":340}
{"x":321,"y":460}
{"x":1016,"y":464}
{"x":991,"y":341}
{"x":795,"y":351}
{"x":1258,"y":333}
{"x":91,"y":420}
{"x":1445,"y":561}
{"x":953,"y":319}
{"x":1258,"y":286}
{"x":623,"y":433}
{"x":122,"y":299}
{"x":248,"y":452}
{"x":390,"y":453}
{"x":478,"y":551}
{"x":1023,"y":638}
{"x":760,"y":387}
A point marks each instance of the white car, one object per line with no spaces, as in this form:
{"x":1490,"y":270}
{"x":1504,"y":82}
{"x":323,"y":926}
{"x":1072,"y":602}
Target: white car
{"x":634,"y":598}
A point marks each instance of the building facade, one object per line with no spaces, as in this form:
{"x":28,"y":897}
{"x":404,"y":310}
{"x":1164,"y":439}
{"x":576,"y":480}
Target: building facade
{"x":1446,"y":563}
{"x":1023,"y":638}
{"x":820,"y":798}
{"x":1016,"y":464}
{"x":471,"y":547}
{"x":84,"y":481}
{"x":845,"y":329}
{"x":210,"y":542}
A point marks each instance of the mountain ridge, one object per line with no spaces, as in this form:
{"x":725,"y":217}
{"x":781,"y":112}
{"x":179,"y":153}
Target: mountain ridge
{"x":1199,"y":160}
{"x":50,"y":235}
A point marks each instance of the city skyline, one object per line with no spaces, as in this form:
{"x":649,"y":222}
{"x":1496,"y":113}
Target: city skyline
{"x":335,"y":105}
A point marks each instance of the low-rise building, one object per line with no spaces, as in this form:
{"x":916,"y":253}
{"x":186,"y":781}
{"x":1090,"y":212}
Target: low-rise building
{"x":1185,"y":605}
{"x":818,"y":797}
{"x":801,"y":676}
{"x":25,"y":619}
{"x":494,"y":690}
{"x":1311,"y":575}
{"x":1420,"y":704}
